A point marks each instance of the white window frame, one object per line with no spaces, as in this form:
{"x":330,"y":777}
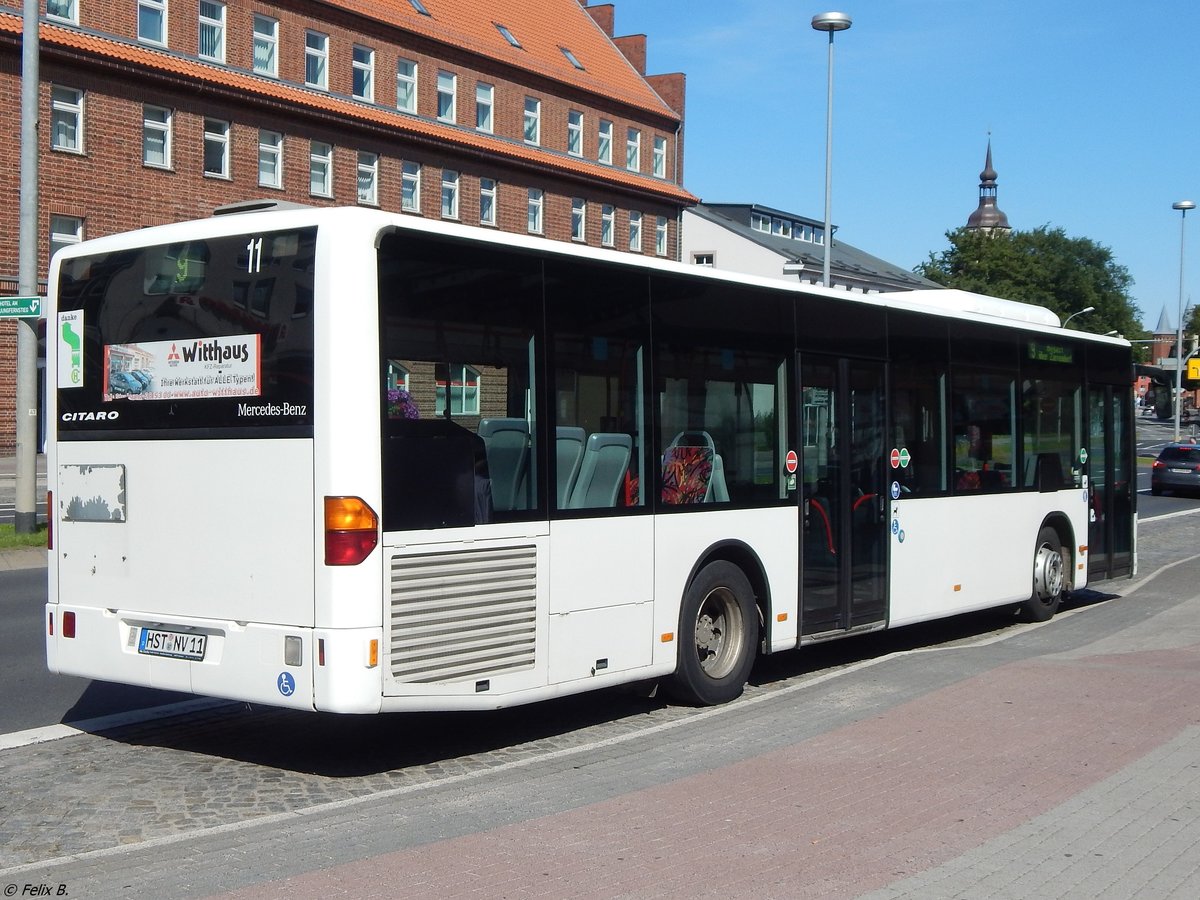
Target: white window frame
{"x":218,"y":138}
{"x":535,"y":217}
{"x":316,"y":59}
{"x":635,"y":231}
{"x":152,"y":12}
{"x":410,"y":178}
{"x":63,"y":11}
{"x":633,"y":150}
{"x":268,"y":40}
{"x":446,"y":390}
{"x":608,"y":225}
{"x":214,"y":25}
{"x":270,"y":158}
{"x":450,"y":182}
{"x":488,"y":200}
{"x":578,"y":219}
{"x":156,"y":125}
{"x":604,"y":142}
{"x":485,"y":103}
{"x":660,"y":236}
{"x":705,"y":258}
{"x":447,"y":96}
{"x":362,"y":73}
{"x":575,"y":132}
{"x":406,"y":85}
{"x":368,"y":178}
{"x":64,"y":231}
{"x":67,"y":107}
{"x":320,"y":164}
{"x":660,"y":156}
{"x":531,"y":130}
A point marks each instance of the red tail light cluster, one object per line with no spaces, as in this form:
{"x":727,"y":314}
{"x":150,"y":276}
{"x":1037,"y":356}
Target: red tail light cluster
{"x":351,"y":531}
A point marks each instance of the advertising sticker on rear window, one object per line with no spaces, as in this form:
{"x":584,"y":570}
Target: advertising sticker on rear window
{"x":184,"y":370}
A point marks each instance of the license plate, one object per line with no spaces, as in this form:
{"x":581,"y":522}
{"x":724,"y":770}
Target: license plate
{"x":1182,"y":471}
{"x":175,"y":644}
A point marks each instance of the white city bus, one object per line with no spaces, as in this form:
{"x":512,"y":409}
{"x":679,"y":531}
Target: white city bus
{"x":344,"y":460}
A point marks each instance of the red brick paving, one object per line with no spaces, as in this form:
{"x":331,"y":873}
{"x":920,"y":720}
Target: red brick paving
{"x":835,"y":816}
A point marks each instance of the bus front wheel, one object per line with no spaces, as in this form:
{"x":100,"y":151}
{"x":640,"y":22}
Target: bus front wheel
{"x":718,"y":636}
{"x":1050,"y":567}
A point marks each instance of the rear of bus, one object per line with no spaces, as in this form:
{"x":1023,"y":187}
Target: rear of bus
{"x":186,"y":531}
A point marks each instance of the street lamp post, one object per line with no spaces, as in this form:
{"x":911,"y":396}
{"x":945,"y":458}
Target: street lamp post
{"x":830,"y":22}
{"x":1086,"y":309}
{"x":1183,"y":206}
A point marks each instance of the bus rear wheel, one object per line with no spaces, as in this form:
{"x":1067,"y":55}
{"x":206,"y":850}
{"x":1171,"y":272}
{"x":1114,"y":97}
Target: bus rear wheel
{"x":718,"y":636}
{"x":1050,"y":567}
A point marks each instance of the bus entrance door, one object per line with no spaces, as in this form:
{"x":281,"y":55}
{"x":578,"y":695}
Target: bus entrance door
{"x":844,"y":502}
{"x":1110,"y":482}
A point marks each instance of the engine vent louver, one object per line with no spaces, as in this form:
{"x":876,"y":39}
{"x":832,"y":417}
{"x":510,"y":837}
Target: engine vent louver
{"x":459,"y":616}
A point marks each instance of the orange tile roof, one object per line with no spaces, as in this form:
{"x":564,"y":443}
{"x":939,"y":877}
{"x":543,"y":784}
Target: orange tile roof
{"x":541,"y":26}
{"x":466,"y":139}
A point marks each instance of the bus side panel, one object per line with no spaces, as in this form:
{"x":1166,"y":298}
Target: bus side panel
{"x":680,"y":540}
{"x":219,"y":529}
{"x":984,"y":560}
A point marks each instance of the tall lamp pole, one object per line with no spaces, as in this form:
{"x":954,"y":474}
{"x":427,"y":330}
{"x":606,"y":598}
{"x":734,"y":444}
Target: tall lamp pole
{"x":830,"y":22}
{"x":1183,"y":206}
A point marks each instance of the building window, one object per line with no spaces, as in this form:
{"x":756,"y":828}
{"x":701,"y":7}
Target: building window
{"x":604,"y":149}
{"x":660,"y":236}
{"x":608,"y":217}
{"x":64,"y":231}
{"x":152,"y":22}
{"x":216,"y":148}
{"x":536,"y":202}
{"x":461,"y":385}
{"x":533,"y":121}
{"x":759,"y":222}
{"x":635,"y":232}
{"x":363,"y":73}
{"x":410,"y":187}
{"x":487,"y":201}
{"x":572,"y":58}
{"x":368,"y":178}
{"x":578,"y":219}
{"x":508,"y":35}
{"x":575,"y":133}
{"x":320,"y":169}
{"x":419,"y":7}
{"x":266,"y":41}
{"x":485,"y":95}
{"x":316,"y":60}
{"x":447,"y":87}
{"x":270,"y":158}
{"x":156,"y":136}
{"x":66,"y":119}
{"x":702,"y":259}
{"x":406,"y":86}
{"x":660,"y":157}
{"x":449,"y":194}
{"x":67,"y":10}
{"x":633,"y":150}
{"x":212,"y":31}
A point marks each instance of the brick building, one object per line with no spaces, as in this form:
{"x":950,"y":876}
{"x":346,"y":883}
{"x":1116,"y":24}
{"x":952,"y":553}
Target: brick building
{"x":529,"y":116}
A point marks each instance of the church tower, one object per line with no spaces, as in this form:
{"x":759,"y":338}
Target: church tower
{"x":987,"y":216}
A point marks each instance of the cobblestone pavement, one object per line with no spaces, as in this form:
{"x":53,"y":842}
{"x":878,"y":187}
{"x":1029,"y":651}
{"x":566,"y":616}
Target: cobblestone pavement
{"x":838,"y":757}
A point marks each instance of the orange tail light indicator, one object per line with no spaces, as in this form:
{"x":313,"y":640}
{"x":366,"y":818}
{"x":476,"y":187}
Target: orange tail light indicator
{"x":351,"y":531}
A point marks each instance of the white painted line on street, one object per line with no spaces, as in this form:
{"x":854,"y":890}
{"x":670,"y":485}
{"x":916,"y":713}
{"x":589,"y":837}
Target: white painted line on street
{"x":104,"y":723}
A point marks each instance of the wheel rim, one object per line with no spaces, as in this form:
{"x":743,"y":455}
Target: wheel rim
{"x":1048,"y":572}
{"x":719,"y":633}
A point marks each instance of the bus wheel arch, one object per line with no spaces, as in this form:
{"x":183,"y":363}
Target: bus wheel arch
{"x":721,"y":622}
{"x":1053,"y":562}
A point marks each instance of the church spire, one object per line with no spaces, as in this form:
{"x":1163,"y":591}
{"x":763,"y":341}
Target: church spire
{"x":987,"y":216}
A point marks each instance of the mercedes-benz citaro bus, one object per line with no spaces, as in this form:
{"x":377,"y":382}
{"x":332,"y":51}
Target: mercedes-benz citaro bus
{"x":339,"y":459}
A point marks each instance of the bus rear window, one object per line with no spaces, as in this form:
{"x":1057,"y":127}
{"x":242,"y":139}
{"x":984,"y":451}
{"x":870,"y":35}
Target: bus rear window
{"x":202,"y":338}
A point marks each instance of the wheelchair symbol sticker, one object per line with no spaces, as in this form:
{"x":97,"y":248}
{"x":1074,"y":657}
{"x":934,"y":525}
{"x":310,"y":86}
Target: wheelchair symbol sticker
{"x":286,"y":684}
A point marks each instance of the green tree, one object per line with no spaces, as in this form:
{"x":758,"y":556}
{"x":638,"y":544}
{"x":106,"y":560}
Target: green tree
{"x":1043,"y":267}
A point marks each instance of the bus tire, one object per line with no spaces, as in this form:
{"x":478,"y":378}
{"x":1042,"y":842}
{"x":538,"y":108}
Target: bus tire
{"x":718,"y":636}
{"x":1050,"y":567}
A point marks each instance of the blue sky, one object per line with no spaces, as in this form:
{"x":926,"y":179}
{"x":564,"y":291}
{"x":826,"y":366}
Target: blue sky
{"x":1091,"y":106}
